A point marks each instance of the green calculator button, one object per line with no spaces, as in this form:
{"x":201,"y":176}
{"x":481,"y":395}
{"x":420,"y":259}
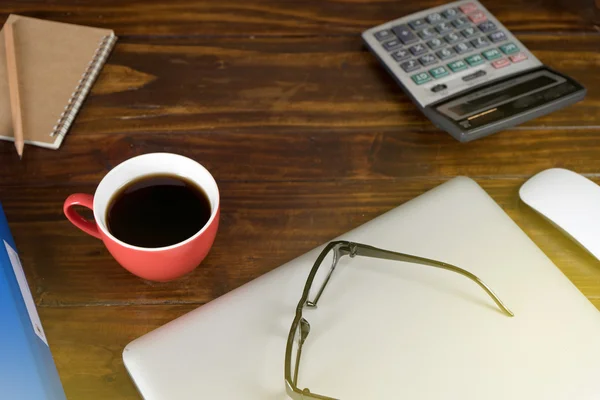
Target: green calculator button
{"x":492,"y":54}
{"x":509,"y":48}
{"x":421,"y":78}
{"x":474,"y":60}
{"x":438,"y":72}
{"x":457,"y":66}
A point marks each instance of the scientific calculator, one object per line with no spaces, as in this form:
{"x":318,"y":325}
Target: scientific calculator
{"x":466,"y":72}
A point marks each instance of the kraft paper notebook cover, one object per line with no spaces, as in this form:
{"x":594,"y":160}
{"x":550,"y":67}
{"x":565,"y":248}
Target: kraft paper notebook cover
{"x":57,"y":65}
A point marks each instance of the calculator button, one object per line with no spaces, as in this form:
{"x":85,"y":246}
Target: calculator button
{"x":480,"y":42}
{"x":460,"y":22}
{"x":501,"y":63}
{"x":417,"y":24}
{"x":392,"y":45}
{"x":403,"y":54}
{"x":433,"y":18}
{"x":444,"y":27}
{"x":477,"y":17}
{"x":509,"y":48}
{"x":427,"y":33}
{"x":421,"y":78}
{"x":404,"y":33}
{"x":439,"y":87}
{"x":497,"y":36}
{"x":474,"y":60}
{"x":435,"y":43}
{"x":410,"y":65}
{"x":452,"y":38}
{"x":427,"y":59}
{"x":468,"y":8}
{"x":468,"y":32}
{"x":486,"y":26}
{"x":446,"y":53}
{"x":383,"y":35}
{"x":474,"y":75}
{"x":518,"y":57}
{"x":463,"y":48}
{"x":492,"y":54}
{"x":438,"y":72}
{"x":450,"y":13}
{"x":458,"y":65}
{"x":418,"y":49}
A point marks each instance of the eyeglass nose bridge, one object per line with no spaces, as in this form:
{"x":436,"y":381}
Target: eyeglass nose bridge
{"x":338,"y":251}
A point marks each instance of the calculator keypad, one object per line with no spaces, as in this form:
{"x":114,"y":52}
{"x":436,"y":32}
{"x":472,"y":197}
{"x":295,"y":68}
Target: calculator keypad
{"x":418,"y":23}
{"x":418,"y":49}
{"x":428,"y":59}
{"x":427,"y":33}
{"x":392,"y":44}
{"x":460,"y":38}
{"x":486,"y":26}
{"x":446,"y":53}
{"x":518,"y":57}
{"x":468,"y":8}
{"x":460,"y":22}
{"x":480,"y":42}
{"x":497,"y":36}
{"x":435,"y":44}
{"x":433,"y":18}
{"x":450,"y":13}
{"x":477,"y":17}
{"x":384,"y":35}
{"x":410,"y":65}
{"x":463,"y":47}
{"x":469,"y":32}
{"x":443,"y":28}
{"x":403,"y":54}
{"x":404,"y":33}
{"x":452,"y":38}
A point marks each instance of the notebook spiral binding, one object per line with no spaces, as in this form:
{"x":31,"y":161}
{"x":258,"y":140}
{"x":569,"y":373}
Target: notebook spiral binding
{"x":84,"y":85}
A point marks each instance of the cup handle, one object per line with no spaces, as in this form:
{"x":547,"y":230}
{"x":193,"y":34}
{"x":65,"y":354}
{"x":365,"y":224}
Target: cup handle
{"x":85,"y":200}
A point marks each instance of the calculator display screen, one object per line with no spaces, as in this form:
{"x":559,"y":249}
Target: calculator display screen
{"x":496,"y":105}
{"x":489,"y":98}
{"x":483,"y":102}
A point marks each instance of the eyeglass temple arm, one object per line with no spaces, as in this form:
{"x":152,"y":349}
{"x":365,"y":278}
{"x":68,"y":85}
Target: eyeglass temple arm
{"x":369,"y":251}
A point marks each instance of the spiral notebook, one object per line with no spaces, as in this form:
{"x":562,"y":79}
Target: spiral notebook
{"x":57,"y":65}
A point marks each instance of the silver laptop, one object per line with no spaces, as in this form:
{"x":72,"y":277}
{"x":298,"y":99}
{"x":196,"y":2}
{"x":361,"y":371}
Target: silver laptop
{"x":389,"y":330}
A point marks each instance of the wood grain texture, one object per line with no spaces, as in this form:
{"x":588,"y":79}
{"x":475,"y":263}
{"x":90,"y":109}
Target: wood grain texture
{"x":287,"y":155}
{"x":324,"y":96}
{"x":180,"y":85}
{"x":305,"y":133}
{"x":287,"y":17}
{"x":87,"y":343}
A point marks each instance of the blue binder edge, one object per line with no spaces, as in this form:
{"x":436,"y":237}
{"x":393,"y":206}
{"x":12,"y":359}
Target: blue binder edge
{"x":27,"y":368}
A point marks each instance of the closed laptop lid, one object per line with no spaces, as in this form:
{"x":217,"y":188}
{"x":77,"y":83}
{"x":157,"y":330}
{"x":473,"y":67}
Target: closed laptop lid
{"x":387,"y":329}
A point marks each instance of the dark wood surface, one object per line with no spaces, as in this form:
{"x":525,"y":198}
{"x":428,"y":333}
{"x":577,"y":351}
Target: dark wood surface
{"x":295,"y":119}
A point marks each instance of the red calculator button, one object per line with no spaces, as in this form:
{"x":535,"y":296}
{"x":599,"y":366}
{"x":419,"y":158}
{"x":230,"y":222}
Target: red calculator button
{"x":477,"y":17}
{"x":501,"y":63}
{"x":518,"y":57}
{"x":468,"y":8}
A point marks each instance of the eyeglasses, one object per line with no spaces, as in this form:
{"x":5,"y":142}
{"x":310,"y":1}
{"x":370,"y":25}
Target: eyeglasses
{"x":333,"y":252}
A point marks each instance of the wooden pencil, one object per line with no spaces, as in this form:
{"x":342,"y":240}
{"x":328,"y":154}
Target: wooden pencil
{"x":13,"y":87}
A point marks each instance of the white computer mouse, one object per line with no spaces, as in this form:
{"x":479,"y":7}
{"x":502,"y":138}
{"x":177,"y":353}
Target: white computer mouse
{"x":570,"y":201}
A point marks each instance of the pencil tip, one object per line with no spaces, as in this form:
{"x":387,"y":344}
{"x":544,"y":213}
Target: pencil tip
{"x":20,"y":146}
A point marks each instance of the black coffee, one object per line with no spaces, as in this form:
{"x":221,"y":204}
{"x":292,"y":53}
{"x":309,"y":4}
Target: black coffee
{"x":157,"y":211}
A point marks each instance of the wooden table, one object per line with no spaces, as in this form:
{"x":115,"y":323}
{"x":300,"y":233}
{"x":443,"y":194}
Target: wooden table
{"x":305,"y":133}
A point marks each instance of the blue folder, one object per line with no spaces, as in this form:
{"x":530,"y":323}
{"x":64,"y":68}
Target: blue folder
{"x":27,"y":369}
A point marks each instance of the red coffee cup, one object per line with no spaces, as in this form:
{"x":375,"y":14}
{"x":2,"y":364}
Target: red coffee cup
{"x":157,"y":264}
